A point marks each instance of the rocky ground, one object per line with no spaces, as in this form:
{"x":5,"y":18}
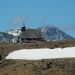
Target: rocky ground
{"x":40,"y":67}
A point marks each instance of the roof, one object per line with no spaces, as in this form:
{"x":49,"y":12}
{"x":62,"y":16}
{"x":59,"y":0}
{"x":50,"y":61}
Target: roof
{"x":31,"y":33}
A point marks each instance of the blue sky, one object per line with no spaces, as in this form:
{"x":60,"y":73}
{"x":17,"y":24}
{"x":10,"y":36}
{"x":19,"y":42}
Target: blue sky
{"x":37,"y":13}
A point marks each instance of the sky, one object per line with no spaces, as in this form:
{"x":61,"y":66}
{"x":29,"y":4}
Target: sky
{"x":37,"y":13}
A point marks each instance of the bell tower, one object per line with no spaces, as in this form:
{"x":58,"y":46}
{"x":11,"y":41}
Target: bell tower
{"x":23,"y":27}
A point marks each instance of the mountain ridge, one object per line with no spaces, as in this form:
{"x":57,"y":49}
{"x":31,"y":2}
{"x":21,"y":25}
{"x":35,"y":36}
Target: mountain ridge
{"x":49,"y":33}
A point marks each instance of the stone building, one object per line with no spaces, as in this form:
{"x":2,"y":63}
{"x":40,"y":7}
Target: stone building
{"x":30,"y":35}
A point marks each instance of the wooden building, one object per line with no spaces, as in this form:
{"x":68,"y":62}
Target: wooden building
{"x":30,"y":35}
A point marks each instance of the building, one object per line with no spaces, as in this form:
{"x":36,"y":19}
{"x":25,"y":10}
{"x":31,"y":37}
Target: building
{"x":30,"y":35}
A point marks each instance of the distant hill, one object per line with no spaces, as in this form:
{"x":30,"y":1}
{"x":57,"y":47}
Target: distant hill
{"x":5,"y":37}
{"x":50,"y":32}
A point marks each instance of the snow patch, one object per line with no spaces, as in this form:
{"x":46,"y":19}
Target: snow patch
{"x":14,"y":32}
{"x":37,"y":54}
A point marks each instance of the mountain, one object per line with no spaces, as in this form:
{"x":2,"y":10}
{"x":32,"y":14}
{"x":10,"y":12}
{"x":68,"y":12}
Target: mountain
{"x":50,"y":32}
{"x":14,"y":32}
{"x":5,"y":37}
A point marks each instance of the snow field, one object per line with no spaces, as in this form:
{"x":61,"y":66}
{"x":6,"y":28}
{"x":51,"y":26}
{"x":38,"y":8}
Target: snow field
{"x":38,"y":54}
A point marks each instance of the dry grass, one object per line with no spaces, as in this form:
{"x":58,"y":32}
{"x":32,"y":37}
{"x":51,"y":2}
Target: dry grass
{"x":41,"y":67}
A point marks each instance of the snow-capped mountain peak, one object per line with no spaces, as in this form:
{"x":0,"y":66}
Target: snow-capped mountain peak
{"x":50,"y":32}
{"x":15,"y":32}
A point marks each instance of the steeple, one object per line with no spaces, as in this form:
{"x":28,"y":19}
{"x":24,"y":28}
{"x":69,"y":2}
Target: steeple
{"x":23,"y":27}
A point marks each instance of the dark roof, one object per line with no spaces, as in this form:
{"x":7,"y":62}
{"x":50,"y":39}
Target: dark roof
{"x":31,"y":33}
